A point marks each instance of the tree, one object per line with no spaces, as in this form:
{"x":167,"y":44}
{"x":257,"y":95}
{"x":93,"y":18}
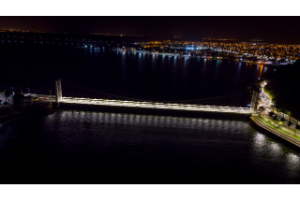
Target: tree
{"x":7,"y":92}
{"x":283,"y":85}
{"x":272,"y":113}
{"x":297,"y":126}
{"x":18,"y":99}
{"x":288,"y":122}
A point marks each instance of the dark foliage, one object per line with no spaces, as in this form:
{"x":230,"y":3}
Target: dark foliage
{"x":284,"y":85}
{"x":272,"y":113}
{"x":18,"y":98}
{"x":8,"y":92}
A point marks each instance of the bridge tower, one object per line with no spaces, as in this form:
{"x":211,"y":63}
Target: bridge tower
{"x":58,"y":90}
{"x":254,"y":100}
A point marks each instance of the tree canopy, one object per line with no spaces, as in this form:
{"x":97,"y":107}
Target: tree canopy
{"x":284,"y":87}
{"x":6,"y":92}
{"x":18,"y":98}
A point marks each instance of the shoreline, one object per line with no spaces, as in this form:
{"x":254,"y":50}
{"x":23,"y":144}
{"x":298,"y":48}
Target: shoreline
{"x":274,"y":131}
{"x":173,"y":54}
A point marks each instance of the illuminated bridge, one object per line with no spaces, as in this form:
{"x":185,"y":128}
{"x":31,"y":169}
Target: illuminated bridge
{"x":153,"y":105}
{"x":76,"y":94}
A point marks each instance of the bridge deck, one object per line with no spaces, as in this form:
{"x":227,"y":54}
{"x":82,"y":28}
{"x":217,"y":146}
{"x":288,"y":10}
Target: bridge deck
{"x":152,"y":105}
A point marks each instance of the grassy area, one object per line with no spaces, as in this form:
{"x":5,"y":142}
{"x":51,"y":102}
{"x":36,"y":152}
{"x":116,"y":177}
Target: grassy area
{"x":267,"y":92}
{"x":275,"y":126}
{"x":295,"y":136}
{"x":284,"y":131}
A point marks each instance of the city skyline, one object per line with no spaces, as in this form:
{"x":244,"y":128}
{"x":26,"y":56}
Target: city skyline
{"x":267,"y":29}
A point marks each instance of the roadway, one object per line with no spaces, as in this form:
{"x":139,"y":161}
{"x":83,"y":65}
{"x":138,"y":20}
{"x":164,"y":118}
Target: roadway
{"x":266,"y":107}
{"x":153,"y":105}
{"x":150,"y":105}
{"x":39,"y":98}
{"x":265,"y":102}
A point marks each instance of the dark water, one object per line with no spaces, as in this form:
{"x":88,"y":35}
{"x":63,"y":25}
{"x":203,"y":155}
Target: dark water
{"x":137,"y":75}
{"x":95,"y":147}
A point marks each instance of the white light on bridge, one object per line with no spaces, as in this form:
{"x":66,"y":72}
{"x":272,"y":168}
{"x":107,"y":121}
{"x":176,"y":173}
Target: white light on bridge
{"x":158,"y":105}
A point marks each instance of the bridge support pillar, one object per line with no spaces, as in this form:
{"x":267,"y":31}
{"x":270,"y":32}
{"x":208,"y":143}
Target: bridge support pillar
{"x":254,"y":100}
{"x":58,"y":90}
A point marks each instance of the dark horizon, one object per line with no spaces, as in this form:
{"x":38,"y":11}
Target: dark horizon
{"x":268,"y":29}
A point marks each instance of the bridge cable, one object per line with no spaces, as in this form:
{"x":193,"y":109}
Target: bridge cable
{"x":103,"y":93}
{"x":43,"y":87}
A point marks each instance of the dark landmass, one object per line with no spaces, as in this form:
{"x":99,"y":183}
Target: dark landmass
{"x":283,"y":85}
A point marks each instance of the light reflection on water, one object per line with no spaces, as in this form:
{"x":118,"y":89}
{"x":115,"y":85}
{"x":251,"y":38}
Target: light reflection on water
{"x":293,"y":159}
{"x":260,"y":140}
{"x":196,"y":146}
{"x":275,"y":148}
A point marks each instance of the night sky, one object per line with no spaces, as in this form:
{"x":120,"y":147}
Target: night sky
{"x":269,"y":29}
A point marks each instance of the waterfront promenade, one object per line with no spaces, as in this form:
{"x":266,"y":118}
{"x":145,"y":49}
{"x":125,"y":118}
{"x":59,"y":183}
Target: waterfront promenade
{"x":285,"y":135}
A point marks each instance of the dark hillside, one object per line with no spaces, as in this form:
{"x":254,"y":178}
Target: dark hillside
{"x":284,"y":86}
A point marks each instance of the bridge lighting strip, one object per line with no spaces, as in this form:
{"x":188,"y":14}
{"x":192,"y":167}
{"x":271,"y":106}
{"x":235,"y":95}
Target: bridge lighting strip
{"x":134,"y":104}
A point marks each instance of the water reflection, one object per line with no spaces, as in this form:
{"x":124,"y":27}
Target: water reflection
{"x":79,"y":117}
{"x":204,"y":64}
{"x":260,"y":70}
{"x":293,"y":161}
{"x":200,"y":143}
{"x":259,"y":140}
{"x":185,"y":60}
{"x":275,"y":148}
